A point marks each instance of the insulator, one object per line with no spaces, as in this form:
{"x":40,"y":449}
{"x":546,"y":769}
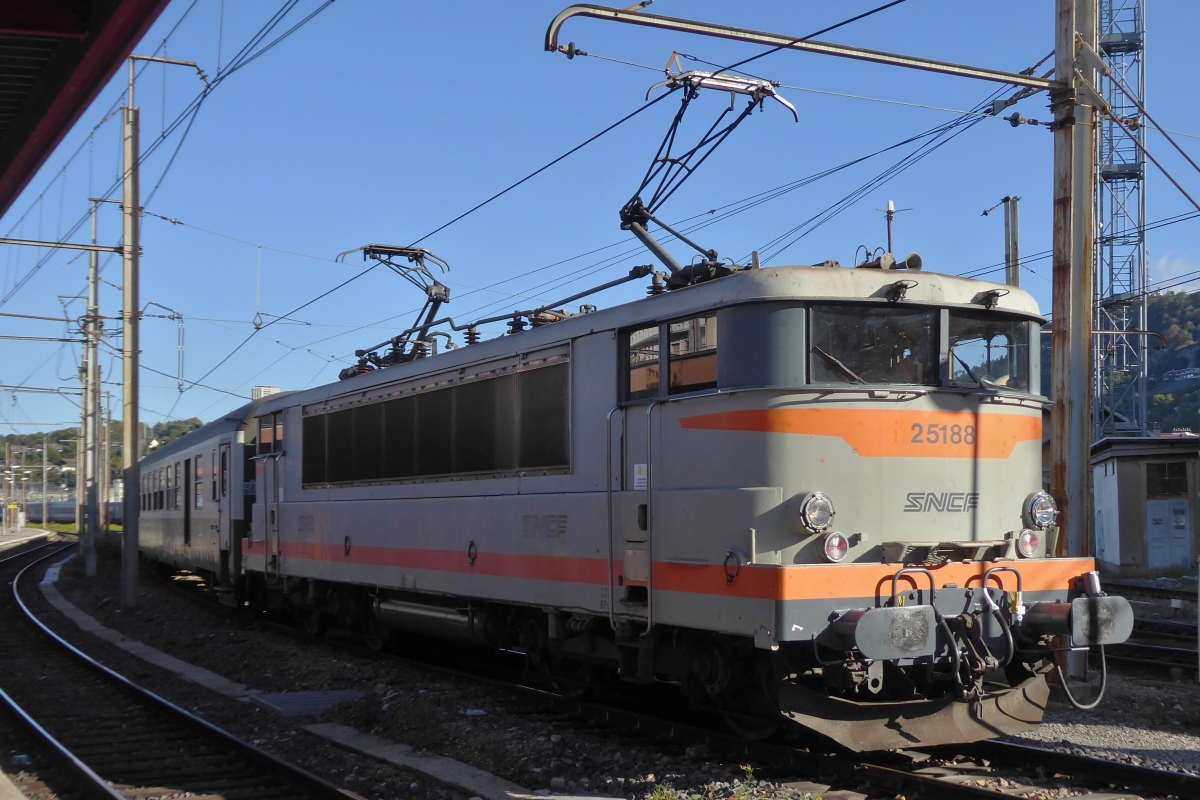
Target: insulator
{"x":420,"y":349}
{"x":473,"y":335}
{"x":656,"y":287}
{"x":516,"y":325}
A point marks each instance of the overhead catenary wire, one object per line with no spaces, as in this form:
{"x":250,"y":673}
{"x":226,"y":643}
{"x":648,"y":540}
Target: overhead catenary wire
{"x":938,"y":137}
{"x":245,"y":55}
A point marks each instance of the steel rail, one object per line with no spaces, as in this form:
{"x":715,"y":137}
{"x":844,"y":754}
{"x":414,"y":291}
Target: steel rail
{"x":299,"y":777}
{"x":92,"y":783}
{"x":1129,"y":588}
{"x":792,"y":43}
{"x":1129,"y":776}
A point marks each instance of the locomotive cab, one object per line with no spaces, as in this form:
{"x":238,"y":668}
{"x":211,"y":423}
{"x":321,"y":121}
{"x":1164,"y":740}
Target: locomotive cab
{"x":885,"y":439}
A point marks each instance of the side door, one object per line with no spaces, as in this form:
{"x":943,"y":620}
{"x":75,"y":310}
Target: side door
{"x":1158,"y":534}
{"x":272,"y":474}
{"x":1181,"y":533}
{"x":224,"y":516}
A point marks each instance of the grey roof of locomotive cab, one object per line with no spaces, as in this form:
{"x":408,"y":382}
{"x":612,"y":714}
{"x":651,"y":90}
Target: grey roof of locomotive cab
{"x":746,"y":286}
{"x":227,"y":423}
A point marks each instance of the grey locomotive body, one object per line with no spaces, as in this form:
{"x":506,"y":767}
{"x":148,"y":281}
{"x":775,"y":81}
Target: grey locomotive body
{"x":806,"y":490}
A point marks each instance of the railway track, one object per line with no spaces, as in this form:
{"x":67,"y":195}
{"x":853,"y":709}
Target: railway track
{"x":933,"y":773}
{"x":1135,"y":589}
{"x":115,"y":739}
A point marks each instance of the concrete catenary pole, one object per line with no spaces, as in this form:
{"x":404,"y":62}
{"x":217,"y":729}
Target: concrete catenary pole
{"x":92,"y":406}
{"x":130,"y":452}
{"x":106,"y":471}
{"x":1074,"y":233}
{"x":1012,"y":242}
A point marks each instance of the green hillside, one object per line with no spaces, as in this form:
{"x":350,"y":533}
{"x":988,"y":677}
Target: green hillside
{"x":1175,"y":404}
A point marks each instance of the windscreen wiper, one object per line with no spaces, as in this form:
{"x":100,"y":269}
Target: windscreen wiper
{"x":984,"y":383}
{"x":849,"y":373}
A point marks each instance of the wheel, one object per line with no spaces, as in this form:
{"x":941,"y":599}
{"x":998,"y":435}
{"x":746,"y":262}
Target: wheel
{"x":571,"y":678}
{"x":752,"y":729}
{"x":315,"y":624}
{"x":376,"y":634}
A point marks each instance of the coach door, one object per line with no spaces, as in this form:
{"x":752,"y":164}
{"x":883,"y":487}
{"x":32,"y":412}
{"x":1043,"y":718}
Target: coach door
{"x":223,"y":501}
{"x":270,"y":455}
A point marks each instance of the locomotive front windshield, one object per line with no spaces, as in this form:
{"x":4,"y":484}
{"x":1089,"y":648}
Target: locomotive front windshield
{"x":985,"y":349}
{"x":872,"y":345}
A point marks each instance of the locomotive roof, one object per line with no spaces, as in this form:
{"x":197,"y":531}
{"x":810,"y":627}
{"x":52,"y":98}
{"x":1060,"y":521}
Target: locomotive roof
{"x":746,"y":286}
{"x":227,"y":423}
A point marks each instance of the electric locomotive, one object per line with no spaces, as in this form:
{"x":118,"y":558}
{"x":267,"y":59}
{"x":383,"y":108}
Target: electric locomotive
{"x":806,"y":495}
{"x":801,"y":493}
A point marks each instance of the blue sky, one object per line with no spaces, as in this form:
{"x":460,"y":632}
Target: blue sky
{"x":379,"y":121}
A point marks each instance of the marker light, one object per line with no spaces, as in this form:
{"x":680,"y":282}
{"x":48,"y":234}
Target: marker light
{"x":816,"y":512}
{"x":836,"y":546}
{"x":1027,"y":544}
{"x":1040,"y":511}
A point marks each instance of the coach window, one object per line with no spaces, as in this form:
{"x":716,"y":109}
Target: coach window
{"x":266,"y":434}
{"x":988,"y":349}
{"x":642,"y":346}
{"x":873,"y":345}
{"x":214,"y":476}
{"x":178,"y":483}
{"x":198,"y":492}
{"x":693,"y":354}
{"x":170,"y":486}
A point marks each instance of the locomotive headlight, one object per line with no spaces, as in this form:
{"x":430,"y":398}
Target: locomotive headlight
{"x":1027,"y":544}
{"x":836,"y":546}
{"x":816,"y":512}
{"x":1040,"y":511}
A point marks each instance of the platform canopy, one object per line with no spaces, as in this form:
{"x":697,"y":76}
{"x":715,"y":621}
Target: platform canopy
{"x":55,"y":57}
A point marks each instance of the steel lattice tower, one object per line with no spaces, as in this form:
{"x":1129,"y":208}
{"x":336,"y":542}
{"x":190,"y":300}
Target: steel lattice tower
{"x":1122,"y":271}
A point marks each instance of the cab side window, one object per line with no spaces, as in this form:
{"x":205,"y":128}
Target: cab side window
{"x":693,"y":354}
{"x":642,"y":347}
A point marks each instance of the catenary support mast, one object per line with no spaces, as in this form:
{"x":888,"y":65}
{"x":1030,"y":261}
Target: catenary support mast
{"x":1074,"y":226}
{"x":130,"y":452}
{"x":1122,"y":270}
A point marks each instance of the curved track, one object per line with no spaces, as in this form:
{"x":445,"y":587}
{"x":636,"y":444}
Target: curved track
{"x":117,"y":739}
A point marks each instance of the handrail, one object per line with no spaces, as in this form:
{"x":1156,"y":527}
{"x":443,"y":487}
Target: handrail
{"x":995,"y":609}
{"x":612,"y":612}
{"x":910,"y":570}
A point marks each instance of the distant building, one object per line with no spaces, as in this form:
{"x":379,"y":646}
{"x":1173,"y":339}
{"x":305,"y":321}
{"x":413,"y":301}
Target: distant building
{"x":1187,"y":374}
{"x":259,"y":392}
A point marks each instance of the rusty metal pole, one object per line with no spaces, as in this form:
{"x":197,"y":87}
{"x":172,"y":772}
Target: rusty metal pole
{"x":1074,"y":236}
{"x":1071,"y":361}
